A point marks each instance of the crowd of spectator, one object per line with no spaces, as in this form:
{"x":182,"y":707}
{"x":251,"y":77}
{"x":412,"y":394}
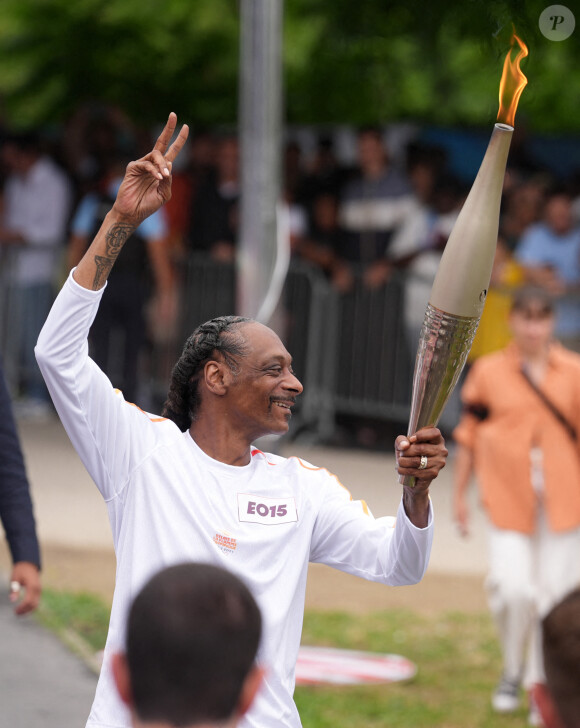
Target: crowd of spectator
{"x":359,"y":222}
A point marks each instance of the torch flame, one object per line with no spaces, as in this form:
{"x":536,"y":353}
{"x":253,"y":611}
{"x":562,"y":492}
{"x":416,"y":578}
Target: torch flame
{"x":512,"y":82}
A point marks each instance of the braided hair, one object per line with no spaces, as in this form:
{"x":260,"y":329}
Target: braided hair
{"x":216,"y":336}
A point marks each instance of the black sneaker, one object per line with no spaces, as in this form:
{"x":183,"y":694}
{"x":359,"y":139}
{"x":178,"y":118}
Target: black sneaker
{"x":506,"y":697}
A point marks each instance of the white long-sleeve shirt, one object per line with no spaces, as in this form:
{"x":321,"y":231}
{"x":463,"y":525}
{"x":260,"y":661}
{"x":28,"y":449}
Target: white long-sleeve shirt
{"x":169,"y":502}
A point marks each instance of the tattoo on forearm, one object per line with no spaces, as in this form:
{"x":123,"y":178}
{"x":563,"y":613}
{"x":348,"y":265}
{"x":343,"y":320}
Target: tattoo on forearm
{"x":115,"y":239}
{"x":104,"y":266}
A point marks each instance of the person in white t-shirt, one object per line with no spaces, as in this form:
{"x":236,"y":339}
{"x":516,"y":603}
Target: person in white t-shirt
{"x":191,"y":486}
{"x":189,"y":659}
{"x":36,"y":206}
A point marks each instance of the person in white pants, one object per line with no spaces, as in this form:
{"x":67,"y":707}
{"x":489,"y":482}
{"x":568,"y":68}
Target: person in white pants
{"x":517,"y":434}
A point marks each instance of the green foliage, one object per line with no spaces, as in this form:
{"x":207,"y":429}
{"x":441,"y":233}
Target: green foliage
{"x":81,"y":613}
{"x":434,"y":62}
{"x":369,"y":61}
{"x":146,"y":58}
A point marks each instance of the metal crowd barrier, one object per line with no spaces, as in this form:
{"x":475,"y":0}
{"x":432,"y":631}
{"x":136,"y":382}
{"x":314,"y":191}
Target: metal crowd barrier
{"x":375,"y":367}
{"x":350,"y":351}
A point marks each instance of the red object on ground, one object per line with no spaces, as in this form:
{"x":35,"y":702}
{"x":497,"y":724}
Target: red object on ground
{"x":348,"y":667}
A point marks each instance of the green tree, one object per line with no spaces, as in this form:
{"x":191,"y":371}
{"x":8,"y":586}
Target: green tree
{"x":146,"y":57}
{"x":355,"y":61}
{"x":441,"y":62}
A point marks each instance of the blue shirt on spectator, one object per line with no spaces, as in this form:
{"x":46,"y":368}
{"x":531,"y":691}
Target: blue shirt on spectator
{"x":83,"y":222}
{"x":540,"y":246}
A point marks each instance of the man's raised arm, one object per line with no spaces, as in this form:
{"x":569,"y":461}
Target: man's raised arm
{"x":145,"y":188}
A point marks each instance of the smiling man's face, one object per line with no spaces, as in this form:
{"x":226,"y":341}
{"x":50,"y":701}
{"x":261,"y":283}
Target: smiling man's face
{"x":265,"y":388}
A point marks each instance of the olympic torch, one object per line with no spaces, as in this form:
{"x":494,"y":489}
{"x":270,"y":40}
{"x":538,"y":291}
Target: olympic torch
{"x":460,"y":286}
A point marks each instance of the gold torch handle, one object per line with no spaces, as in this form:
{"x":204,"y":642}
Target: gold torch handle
{"x":444,"y":344}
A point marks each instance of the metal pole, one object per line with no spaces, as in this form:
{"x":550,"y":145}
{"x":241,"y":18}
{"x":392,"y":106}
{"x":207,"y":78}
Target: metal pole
{"x":260,"y":114}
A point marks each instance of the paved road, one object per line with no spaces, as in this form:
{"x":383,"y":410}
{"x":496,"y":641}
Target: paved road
{"x":42,"y":685}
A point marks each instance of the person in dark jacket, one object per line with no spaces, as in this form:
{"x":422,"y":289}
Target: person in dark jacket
{"x":16,"y":512}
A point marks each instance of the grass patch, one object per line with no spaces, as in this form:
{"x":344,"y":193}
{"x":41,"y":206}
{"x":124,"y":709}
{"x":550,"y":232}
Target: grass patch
{"x":458,"y":664}
{"x":83,"y":614}
{"x":456,"y":654}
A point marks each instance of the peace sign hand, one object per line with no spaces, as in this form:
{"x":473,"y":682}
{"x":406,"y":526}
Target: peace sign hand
{"x":147,"y":182}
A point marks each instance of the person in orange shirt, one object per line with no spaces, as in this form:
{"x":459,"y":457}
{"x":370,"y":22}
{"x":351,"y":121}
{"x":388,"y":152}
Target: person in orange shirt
{"x":518,"y":435}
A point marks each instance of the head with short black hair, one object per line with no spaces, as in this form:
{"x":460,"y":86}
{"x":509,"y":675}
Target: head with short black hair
{"x":25,"y":141}
{"x":192,"y":637}
{"x":20,"y":151}
{"x":325,"y":144}
{"x":370,"y":130}
{"x":561,"y":650}
{"x":372,"y":152}
{"x":558,"y":210}
{"x":218,"y":338}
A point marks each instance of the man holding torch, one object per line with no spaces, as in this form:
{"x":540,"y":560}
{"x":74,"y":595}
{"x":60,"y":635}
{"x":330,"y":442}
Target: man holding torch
{"x":190,"y":485}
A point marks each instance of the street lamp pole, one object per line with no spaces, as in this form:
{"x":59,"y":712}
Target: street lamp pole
{"x":260,"y":115}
